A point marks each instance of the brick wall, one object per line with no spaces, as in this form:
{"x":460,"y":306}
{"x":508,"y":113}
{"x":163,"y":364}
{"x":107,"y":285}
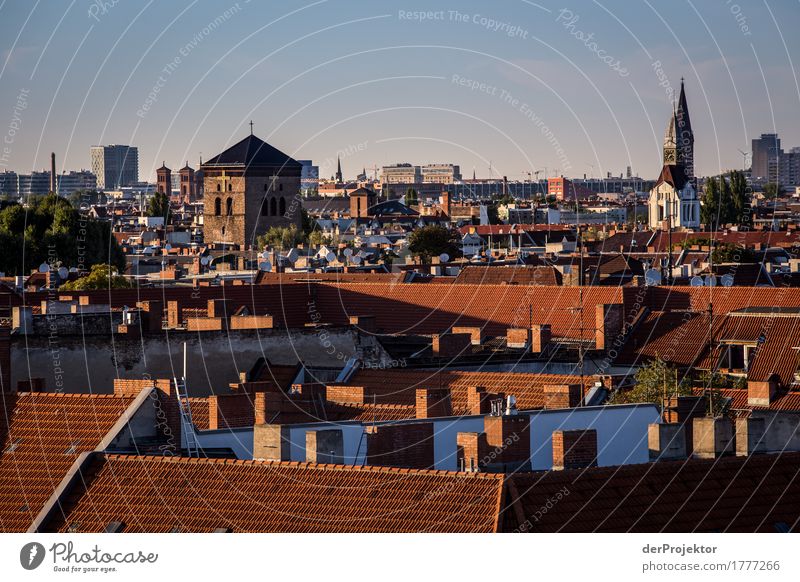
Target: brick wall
{"x":401,"y":445}
{"x":251,"y":322}
{"x":346,"y":394}
{"x":205,"y":323}
{"x":174,"y":314}
{"x":230,"y":411}
{"x":433,"y":402}
{"x":5,"y":359}
{"x":608,"y":324}
{"x":574,"y":449}
{"x":562,"y":396}
{"x":540,"y":337}
{"x":761,"y":393}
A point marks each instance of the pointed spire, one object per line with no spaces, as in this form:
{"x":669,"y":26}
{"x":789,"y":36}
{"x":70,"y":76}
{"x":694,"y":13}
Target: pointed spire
{"x":338,"y":169}
{"x":251,"y":127}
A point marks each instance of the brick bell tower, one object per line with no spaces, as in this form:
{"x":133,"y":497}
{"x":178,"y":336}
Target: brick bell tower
{"x":247,"y":189}
{"x":164,"y":180}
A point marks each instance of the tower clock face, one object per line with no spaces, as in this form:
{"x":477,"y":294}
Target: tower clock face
{"x":669,"y":156}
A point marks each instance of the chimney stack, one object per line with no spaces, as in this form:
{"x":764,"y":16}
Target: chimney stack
{"x":574,"y":449}
{"x":53,"y":183}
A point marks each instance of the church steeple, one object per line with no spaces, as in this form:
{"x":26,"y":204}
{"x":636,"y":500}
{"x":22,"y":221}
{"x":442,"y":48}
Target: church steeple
{"x":338,"y":170}
{"x":685,"y":135}
{"x":671,"y":142}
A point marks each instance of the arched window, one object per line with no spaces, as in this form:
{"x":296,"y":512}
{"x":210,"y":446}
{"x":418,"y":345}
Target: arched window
{"x":230,"y":187}
{"x":217,"y":207}
{"x":282,"y":206}
{"x":280,"y":187}
{"x":266,"y":187}
{"x":265,"y":207}
{"x":273,"y":207}
{"x":219,"y":187}
{"x":229,"y":206}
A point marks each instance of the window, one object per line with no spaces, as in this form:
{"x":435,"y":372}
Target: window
{"x":280,"y":187}
{"x":230,"y":187}
{"x":282,"y":206}
{"x":273,"y":207}
{"x":229,"y":207}
{"x":217,"y":206}
{"x":219,"y":187}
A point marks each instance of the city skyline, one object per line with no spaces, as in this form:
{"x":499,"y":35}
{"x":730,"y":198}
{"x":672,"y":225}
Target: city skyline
{"x":462,"y":84}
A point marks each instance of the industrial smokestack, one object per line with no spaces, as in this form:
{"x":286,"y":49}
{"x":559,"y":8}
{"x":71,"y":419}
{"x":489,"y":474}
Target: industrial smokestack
{"x":53,"y":173}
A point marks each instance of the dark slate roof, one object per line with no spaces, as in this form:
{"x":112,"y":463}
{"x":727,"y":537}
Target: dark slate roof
{"x":253,"y":152}
{"x":391,"y":207}
{"x":674,"y":175}
{"x":363,"y":192}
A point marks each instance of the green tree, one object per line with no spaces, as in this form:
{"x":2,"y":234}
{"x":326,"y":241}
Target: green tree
{"x":731,"y":253}
{"x":653,"y":382}
{"x":773,"y":190}
{"x":431,"y":241}
{"x":159,"y":206}
{"x":411,"y":197}
{"x":709,"y":213}
{"x":317,"y":239}
{"x":100,"y":277}
{"x":739,"y":196}
{"x":281,"y":237}
{"x":49,"y":229}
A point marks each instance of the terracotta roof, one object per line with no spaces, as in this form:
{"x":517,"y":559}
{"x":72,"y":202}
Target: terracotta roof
{"x":162,"y":494}
{"x":676,"y":337}
{"x":752,"y":494}
{"x":434,"y":308}
{"x":398,"y":386}
{"x":784,"y":402}
{"x":508,"y":275}
{"x":42,"y":434}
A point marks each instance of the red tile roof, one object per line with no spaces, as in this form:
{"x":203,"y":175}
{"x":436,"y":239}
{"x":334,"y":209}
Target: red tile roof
{"x":733,"y":494}
{"x":42,"y":434}
{"x":398,"y":386}
{"x":161,"y":494}
{"x":508,"y":275}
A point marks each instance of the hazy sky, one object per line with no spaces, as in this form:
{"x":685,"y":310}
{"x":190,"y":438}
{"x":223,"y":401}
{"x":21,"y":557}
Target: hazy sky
{"x":575,"y":87}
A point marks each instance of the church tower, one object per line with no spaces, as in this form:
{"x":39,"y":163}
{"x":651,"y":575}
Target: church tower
{"x":338,"y":170}
{"x":670,"y":142}
{"x":249,"y":188}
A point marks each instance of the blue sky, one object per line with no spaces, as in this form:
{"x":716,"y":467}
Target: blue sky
{"x":574,"y":88}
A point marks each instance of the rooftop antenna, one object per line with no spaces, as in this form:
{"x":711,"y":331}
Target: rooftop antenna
{"x":251,"y":127}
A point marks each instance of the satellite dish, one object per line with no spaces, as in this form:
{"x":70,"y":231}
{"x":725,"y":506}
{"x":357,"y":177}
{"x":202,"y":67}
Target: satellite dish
{"x":696,"y":281}
{"x":292,"y":256}
{"x":330,"y":257}
{"x":710,"y":281}
{"x":444,"y":257}
{"x":356,"y":260}
{"x":265,"y":266}
{"x":44,"y":268}
{"x":348,"y":252}
{"x":727,"y":280}
{"x":652,"y":277}
{"x":63,"y":272}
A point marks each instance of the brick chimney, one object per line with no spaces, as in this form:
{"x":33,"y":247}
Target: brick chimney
{"x":479,"y":399}
{"x":451,"y":345}
{"x":761,"y":393}
{"x":608,"y":325}
{"x":574,"y":449}
{"x":518,"y":337}
{"x":713,"y":437}
{"x":509,"y":441}
{"x":683,"y":410}
{"x":540,"y":337}
{"x":666,"y":441}
{"x":271,"y":442}
{"x":750,"y":436}
{"x":408,"y":445}
{"x":562,"y":396}
{"x":476,"y":333}
{"x":174,"y":314}
{"x":433,"y":402}
{"x":325,"y":446}
{"x":471,"y":451}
